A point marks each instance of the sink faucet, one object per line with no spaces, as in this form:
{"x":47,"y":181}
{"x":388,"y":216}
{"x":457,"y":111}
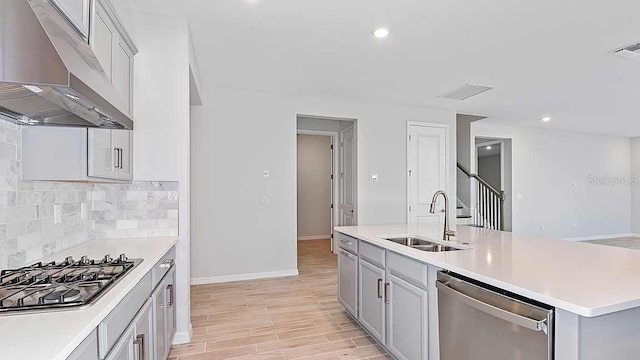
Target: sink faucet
{"x":447,"y":233}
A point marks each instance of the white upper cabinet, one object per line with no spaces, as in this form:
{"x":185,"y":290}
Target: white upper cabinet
{"x":102,"y":157}
{"x":121,"y":144}
{"x":104,"y":38}
{"x":77,"y":12}
{"x":115,"y":51}
{"x":123,"y":75}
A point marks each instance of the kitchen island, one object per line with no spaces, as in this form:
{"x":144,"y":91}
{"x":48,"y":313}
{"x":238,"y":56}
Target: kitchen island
{"x":595,"y":290}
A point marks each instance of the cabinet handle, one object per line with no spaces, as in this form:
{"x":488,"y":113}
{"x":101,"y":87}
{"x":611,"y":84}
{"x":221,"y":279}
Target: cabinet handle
{"x":379,"y":288}
{"x":386,"y":293}
{"x":115,"y":158}
{"x":345,"y":242}
{"x":347,"y":255}
{"x":139,"y":343}
{"x":119,"y":158}
{"x":170,"y":300}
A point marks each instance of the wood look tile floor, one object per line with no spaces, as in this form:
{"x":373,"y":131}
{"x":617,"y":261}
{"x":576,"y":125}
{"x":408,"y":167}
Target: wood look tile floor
{"x":278,"y":319}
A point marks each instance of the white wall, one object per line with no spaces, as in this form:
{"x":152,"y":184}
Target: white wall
{"x":314,"y":186}
{"x":161,"y":130}
{"x":489,"y":170}
{"x":305,"y":123}
{"x":552,"y":169}
{"x":635,"y":188}
{"x":237,"y":134}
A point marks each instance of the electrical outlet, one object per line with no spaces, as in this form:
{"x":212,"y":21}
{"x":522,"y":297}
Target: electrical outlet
{"x":57,"y":213}
{"x":265,"y":174}
{"x":606,"y":223}
{"x":576,"y":225}
{"x":374,"y":177}
{"x":519,"y":196}
{"x":541,"y":227}
{"x":264,"y":201}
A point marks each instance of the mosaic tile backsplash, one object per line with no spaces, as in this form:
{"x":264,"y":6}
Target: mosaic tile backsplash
{"x":27,"y":229}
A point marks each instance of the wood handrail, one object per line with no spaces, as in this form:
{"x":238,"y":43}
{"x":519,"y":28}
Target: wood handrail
{"x":482,"y":181}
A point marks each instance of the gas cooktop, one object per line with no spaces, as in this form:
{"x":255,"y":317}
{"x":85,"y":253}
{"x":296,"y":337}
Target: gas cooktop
{"x":68,"y":284}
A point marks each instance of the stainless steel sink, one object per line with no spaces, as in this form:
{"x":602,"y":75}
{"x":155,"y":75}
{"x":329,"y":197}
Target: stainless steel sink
{"x":410,"y":241}
{"x":423,"y":245}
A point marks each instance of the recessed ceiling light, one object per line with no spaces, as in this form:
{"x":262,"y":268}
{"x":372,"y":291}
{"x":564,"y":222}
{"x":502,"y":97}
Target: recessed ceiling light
{"x":546,"y":119}
{"x":380,"y":33}
{"x":488,"y":147}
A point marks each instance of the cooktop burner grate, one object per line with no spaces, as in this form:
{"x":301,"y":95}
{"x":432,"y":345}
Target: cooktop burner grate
{"x":56,"y":285}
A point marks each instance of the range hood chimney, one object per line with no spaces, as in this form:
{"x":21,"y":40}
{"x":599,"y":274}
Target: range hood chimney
{"x":48,"y":73}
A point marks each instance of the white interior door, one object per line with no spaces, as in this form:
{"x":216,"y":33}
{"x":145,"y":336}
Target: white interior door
{"x":427,"y":171}
{"x":348,"y":177}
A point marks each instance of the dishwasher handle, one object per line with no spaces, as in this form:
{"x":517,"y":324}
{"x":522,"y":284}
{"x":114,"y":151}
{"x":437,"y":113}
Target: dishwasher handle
{"x":532,"y":324}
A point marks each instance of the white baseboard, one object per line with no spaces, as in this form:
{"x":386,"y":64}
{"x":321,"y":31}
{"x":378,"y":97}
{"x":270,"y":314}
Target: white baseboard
{"x":314,"y":237}
{"x":182,"y":337}
{"x":599,"y":237}
{"x":242,"y":277}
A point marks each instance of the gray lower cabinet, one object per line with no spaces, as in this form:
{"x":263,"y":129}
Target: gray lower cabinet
{"x":88,"y":349}
{"x":407,"y":320}
{"x":137,"y":341}
{"x":371,"y":299}
{"x":164,"y":314}
{"x":348,"y":281}
{"x":142,"y":325}
{"x":388,"y":294}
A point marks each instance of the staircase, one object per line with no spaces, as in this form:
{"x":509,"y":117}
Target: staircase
{"x":487,"y":208}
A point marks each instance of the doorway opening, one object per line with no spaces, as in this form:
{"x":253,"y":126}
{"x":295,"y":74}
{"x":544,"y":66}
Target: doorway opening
{"x":326,"y":177}
{"x":493,"y":194}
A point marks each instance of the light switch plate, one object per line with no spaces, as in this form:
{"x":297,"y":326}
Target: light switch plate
{"x":265,"y":174}
{"x":264,"y":201}
{"x":374,"y":177}
{"x":57,"y":213}
{"x":519,"y":196}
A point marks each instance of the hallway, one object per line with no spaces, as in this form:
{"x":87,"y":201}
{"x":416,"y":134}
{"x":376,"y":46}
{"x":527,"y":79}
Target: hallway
{"x":277,"y":319}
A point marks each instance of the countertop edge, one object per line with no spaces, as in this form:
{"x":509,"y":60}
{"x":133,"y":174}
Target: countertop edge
{"x":441,"y":263}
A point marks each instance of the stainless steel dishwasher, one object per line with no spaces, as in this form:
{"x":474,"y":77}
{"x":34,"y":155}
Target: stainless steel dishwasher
{"x":478,"y":322}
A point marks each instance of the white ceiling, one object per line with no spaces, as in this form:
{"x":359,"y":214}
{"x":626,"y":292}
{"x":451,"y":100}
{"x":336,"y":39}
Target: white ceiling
{"x":544,"y":57}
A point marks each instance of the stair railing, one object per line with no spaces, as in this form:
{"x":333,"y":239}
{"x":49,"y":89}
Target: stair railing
{"x":489,"y":209}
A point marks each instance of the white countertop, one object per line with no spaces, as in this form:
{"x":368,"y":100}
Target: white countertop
{"x":54,"y":335}
{"x":585,"y":279}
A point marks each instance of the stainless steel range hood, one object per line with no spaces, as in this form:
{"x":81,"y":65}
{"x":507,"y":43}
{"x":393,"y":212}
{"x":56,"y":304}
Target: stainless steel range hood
{"x":48,"y":73}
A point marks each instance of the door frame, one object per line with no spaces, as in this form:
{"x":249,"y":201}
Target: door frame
{"x":335,"y":183}
{"x":447,"y":165}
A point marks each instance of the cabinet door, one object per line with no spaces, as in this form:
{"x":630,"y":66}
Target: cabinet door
{"x":122,"y":75}
{"x":371,"y":299}
{"x":104,"y":37}
{"x":87,"y":350}
{"x":77,"y":13}
{"x":101,"y":154}
{"x":348,"y":281}
{"x":143,"y":339}
{"x":121,"y":140}
{"x":170,"y":307}
{"x":159,"y":325}
{"x":407,"y":320}
{"x":123,"y":350}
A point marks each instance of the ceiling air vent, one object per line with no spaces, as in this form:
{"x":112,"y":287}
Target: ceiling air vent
{"x":465,"y":91}
{"x":628,"y":52}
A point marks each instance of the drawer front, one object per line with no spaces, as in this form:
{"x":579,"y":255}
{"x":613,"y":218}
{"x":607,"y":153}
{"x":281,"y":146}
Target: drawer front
{"x":348,"y":243}
{"x":372,"y":253}
{"x":163,"y":266}
{"x":112,"y":327}
{"x":407,"y":269}
{"x":88,"y":349}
